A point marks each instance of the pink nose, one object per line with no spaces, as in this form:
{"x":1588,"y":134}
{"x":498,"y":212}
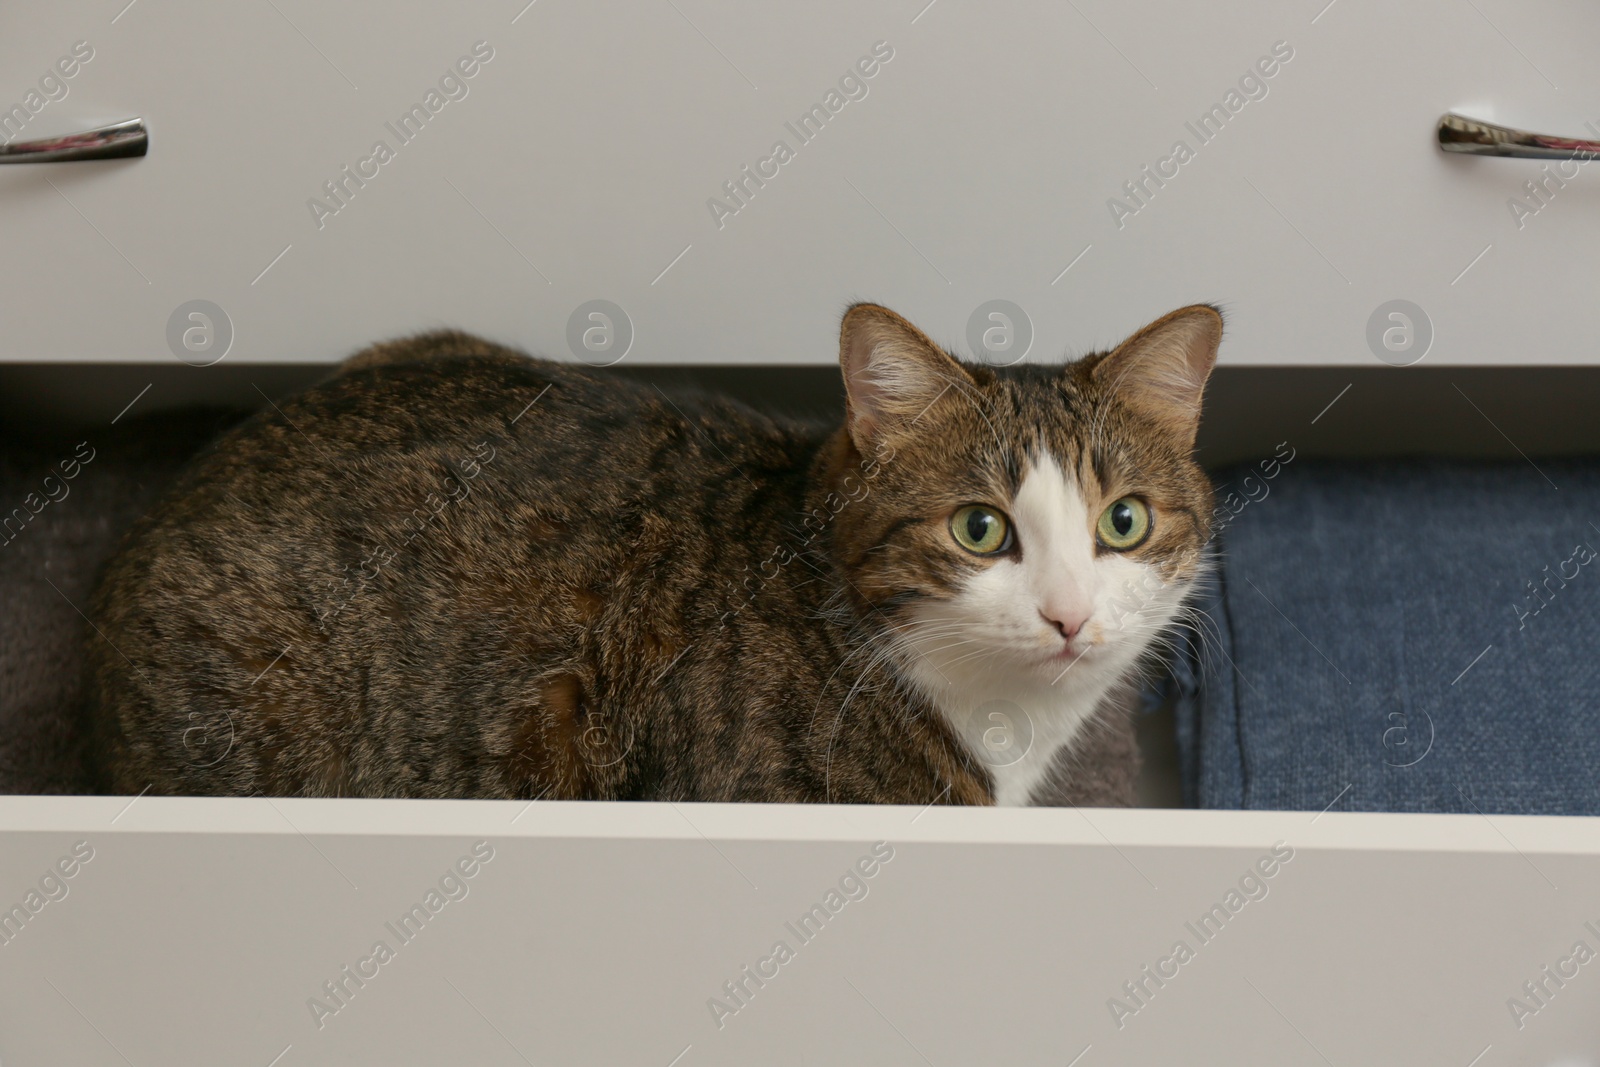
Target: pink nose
{"x":1068,"y":626}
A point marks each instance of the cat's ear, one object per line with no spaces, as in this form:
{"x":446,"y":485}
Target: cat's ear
{"x":892,"y":373}
{"x":1161,"y":371}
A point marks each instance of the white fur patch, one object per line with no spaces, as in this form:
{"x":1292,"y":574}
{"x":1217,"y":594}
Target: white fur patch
{"x":1001,"y":673}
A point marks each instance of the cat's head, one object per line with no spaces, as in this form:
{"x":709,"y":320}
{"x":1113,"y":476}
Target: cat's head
{"x":1025,"y":528}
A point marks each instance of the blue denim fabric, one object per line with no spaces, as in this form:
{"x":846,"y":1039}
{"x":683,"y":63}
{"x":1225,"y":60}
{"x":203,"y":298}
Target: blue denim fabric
{"x":1376,"y":645}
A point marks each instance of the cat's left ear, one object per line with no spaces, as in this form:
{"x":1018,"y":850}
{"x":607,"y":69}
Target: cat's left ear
{"x":1161,"y":371}
{"x":892,"y":373}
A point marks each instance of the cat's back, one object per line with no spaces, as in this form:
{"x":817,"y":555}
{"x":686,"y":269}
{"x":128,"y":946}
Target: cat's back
{"x":429,"y":418}
{"x":397,"y":402}
{"x":439,"y":526}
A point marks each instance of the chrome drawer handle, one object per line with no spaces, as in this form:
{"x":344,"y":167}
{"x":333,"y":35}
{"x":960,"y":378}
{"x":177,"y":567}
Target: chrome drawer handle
{"x":1460,"y":134}
{"x":120,"y":139}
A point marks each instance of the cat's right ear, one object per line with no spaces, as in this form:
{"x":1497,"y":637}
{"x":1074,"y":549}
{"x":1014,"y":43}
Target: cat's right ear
{"x":892,"y":373}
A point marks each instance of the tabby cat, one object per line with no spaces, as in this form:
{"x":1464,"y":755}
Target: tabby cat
{"x":452,"y":570}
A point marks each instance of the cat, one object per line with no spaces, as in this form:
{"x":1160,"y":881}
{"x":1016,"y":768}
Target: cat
{"x":453,"y":570}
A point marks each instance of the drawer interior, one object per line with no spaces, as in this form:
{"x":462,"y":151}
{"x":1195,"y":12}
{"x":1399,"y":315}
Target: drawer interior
{"x":145,"y":418}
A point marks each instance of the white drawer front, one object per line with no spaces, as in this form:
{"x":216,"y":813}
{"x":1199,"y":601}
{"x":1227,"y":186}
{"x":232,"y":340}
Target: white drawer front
{"x":233,"y":931}
{"x":983,"y":158}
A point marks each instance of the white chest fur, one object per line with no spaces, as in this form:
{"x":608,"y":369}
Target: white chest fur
{"x":1018,"y":737}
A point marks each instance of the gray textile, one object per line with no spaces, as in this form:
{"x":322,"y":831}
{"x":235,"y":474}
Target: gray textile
{"x":48,"y":569}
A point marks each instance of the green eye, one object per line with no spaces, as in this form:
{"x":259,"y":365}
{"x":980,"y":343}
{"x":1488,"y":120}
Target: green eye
{"x":1124,"y":525}
{"x":980,"y":530}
